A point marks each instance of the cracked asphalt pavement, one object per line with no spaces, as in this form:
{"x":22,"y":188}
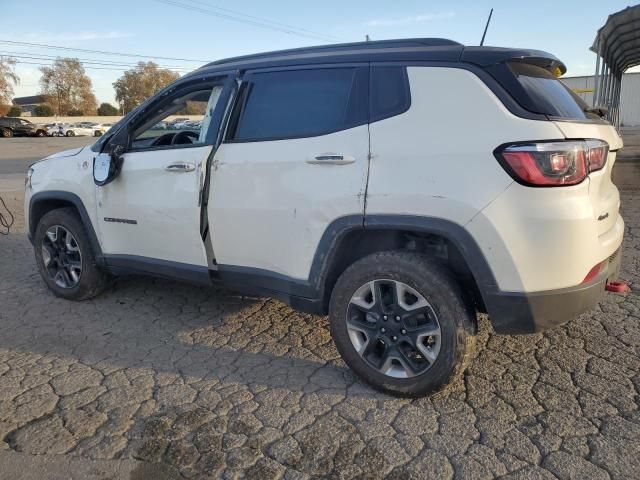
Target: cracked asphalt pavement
{"x":198,"y":383}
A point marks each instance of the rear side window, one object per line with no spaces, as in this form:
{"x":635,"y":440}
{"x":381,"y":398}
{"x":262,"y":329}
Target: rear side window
{"x":302,"y":103}
{"x":389,"y":92}
{"x":537,"y":90}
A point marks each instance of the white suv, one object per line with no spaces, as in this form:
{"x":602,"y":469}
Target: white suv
{"x":399,"y":186}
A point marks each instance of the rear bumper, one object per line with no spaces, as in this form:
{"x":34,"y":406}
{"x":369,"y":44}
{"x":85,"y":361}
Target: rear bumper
{"x":515,"y":312}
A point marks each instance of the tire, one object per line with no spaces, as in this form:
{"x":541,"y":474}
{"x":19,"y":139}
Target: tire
{"x":425,"y":351}
{"x":6,"y":133}
{"x":70,"y":133}
{"x":41,"y":133}
{"x":97,"y":133}
{"x":91,"y":280}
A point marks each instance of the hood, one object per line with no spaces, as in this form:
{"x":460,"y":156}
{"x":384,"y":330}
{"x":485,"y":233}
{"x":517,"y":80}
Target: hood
{"x":65,"y":153}
{"x":72,"y":152}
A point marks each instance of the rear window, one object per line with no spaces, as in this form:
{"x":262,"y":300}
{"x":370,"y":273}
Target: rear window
{"x":537,"y":90}
{"x":302,"y":103}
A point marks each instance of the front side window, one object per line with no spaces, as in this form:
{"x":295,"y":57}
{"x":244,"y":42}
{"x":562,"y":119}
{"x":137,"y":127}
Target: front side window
{"x":183,"y":121}
{"x":302,"y":103}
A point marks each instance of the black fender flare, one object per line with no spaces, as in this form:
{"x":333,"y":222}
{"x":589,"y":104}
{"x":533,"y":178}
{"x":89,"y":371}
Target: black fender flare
{"x":73,"y":199}
{"x":453,"y":232}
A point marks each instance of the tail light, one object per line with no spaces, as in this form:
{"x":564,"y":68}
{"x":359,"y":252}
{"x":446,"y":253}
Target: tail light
{"x":598,"y":153}
{"x":552,"y":164}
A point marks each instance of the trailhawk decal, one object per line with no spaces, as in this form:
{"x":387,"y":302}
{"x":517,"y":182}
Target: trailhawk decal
{"x":120,"y":220}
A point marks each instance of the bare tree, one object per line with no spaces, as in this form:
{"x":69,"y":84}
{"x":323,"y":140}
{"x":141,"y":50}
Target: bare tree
{"x":8,"y":79}
{"x":140,"y":83}
{"x":68,"y":88}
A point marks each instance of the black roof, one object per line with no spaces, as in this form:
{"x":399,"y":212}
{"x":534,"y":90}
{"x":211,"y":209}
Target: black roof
{"x":411,"y":49}
{"x":32,"y":100}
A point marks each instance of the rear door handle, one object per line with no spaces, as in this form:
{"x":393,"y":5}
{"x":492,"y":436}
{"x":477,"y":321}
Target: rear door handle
{"x":331,"y":159}
{"x":180,"y":167}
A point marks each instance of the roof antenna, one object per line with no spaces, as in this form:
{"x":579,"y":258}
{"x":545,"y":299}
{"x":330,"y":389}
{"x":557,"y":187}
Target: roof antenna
{"x":486,"y":27}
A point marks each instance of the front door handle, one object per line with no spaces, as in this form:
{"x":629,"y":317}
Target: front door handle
{"x":180,"y":167}
{"x":331,"y":159}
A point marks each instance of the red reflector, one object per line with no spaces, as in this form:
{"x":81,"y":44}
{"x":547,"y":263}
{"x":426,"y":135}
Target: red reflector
{"x":593,"y":273}
{"x":617,"y":287}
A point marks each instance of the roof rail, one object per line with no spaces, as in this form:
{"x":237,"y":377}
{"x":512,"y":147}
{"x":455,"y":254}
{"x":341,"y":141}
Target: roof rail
{"x":407,"y":42}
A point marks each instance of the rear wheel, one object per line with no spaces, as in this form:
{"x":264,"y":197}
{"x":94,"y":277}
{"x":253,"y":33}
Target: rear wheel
{"x":70,"y":133}
{"x":40,"y":133}
{"x":6,"y":133}
{"x":64,"y":256}
{"x":401,"y":322}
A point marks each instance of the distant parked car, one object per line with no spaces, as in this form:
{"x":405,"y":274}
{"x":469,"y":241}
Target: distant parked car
{"x":100,"y":129}
{"x":12,"y":126}
{"x":53,"y":129}
{"x":76,"y":129}
{"x":193,"y":125}
{"x":160,"y":126}
{"x":177,"y":123}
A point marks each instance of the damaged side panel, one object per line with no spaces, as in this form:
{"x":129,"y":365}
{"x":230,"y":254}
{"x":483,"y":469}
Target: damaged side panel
{"x":270,"y":203}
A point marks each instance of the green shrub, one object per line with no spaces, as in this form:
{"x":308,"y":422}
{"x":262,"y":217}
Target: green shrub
{"x":107,"y":110}
{"x":14,"y":111}
{"x":43,"y":110}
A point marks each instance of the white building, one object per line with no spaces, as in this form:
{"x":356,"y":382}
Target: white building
{"x":629,"y":98}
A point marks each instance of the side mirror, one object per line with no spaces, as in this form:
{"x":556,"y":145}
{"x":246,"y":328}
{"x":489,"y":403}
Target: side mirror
{"x":106,"y":166}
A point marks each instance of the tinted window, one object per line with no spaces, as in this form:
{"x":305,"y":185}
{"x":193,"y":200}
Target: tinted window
{"x":302,"y":103}
{"x":389,"y":92}
{"x":544,"y":93}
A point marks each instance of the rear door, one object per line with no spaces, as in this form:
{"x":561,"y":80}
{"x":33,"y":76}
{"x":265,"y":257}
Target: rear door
{"x":295,"y":159}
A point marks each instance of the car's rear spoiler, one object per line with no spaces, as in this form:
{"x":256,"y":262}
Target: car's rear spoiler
{"x":488,"y":56}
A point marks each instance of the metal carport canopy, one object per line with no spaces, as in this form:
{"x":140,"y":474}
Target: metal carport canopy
{"x":617,"y":45}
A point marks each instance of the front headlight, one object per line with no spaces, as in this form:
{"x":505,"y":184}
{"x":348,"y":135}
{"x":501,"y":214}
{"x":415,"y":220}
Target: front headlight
{"x":27,"y":179}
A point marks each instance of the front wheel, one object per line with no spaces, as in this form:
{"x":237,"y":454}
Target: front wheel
{"x":65,"y":258}
{"x":70,"y":133}
{"x":6,"y":133}
{"x":401,"y":322}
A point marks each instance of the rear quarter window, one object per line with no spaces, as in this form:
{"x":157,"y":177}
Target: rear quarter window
{"x":390,"y":93}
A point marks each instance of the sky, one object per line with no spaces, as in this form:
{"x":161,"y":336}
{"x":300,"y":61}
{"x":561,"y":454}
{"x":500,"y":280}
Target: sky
{"x":209,"y":30}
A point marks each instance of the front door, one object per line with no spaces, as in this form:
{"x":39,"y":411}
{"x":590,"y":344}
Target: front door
{"x":150,"y":214}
